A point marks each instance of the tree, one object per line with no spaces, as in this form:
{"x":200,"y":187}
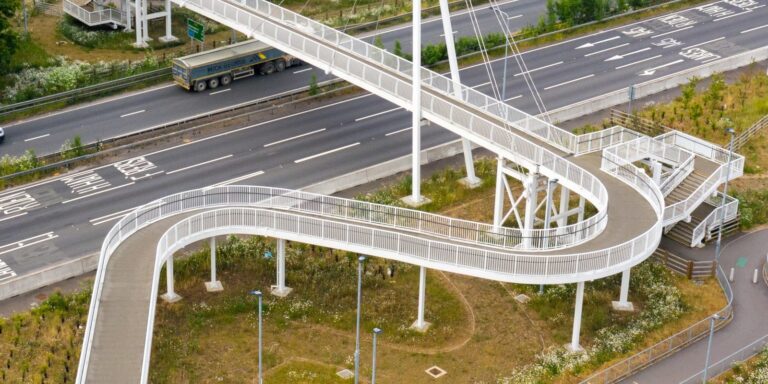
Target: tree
{"x":9,"y":39}
{"x":378,"y":43}
{"x":398,"y":48}
{"x":314,"y":89}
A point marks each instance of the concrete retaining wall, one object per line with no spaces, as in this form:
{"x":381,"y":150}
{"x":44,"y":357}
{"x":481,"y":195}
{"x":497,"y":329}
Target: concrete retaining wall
{"x":48,"y":275}
{"x":67,"y":269}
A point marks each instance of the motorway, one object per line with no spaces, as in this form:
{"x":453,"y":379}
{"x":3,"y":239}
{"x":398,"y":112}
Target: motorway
{"x":67,"y":217}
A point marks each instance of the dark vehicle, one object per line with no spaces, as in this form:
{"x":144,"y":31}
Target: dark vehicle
{"x":2,"y":135}
{"x":209,"y":69}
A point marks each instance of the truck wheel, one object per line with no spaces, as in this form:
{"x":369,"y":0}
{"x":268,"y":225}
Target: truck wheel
{"x":267,"y":68}
{"x":226,"y":80}
{"x":213,"y":83}
{"x":200,"y":86}
{"x":280,"y":65}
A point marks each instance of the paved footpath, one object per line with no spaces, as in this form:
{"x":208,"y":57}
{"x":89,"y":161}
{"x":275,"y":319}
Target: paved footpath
{"x":745,"y":253}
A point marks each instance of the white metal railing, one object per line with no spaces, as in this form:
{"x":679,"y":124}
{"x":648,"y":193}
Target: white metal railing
{"x":705,"y":149}
{"x":713,"y":219}
{"x":727,"y":363}
{"x":594,"y":141}
{"x":617,"y":160}
{"x":677,"y":176}
{"x":91,"y":18}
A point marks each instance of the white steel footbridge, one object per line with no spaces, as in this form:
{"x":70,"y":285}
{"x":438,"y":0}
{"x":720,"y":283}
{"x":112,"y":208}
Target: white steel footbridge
{"x":562,"y":245}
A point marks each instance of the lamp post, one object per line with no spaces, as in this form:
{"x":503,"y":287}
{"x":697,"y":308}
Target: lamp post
{"x":731,"y":132}
{"x":259,"y":295}
{"x":376,"y":332}
{"x":712,"y":320}
{"x":360,"y":261}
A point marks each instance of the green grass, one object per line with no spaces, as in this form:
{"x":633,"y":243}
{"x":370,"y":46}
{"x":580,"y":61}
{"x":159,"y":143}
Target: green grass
{"x":302,"y":372}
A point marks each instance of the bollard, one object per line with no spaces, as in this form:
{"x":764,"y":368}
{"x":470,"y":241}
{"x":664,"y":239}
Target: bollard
{"x":730,"y":276}
{"x":754,"y":277}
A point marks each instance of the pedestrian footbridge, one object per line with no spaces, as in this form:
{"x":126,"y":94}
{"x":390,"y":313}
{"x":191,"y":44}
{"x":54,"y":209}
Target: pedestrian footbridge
{"x":633,"y":208}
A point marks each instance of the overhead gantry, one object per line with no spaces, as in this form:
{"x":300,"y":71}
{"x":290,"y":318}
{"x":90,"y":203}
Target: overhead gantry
{"x":562,"y":245}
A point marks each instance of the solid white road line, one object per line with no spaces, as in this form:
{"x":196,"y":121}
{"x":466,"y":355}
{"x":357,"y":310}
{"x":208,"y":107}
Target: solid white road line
{"x":199,"y":164}
{"x":37,"y":137}
{"x":539,"y":68}
{"x":303,"y":70}
{"x":133,"y":113}
{"x":754,"y":29}
{"x":480,"y":85}
{"x":398,"y":131}
{"x":515,"y":17}
{"x":16,"y":245}
{"x":377,"y":114}
{"x":638,"y":62}
{"x":99,"y":192}
{"x":514,"y":97}
{"x":14,"y":216}
{"x":326,"y":153}
{"x":569,"y":82}
{"x":235,"y":180}
{"x":706,"y":42}
{"x":222,"y":91}
{"x":606,"y":50}
{"x":294,"y":137}
{"x":671,"y":32}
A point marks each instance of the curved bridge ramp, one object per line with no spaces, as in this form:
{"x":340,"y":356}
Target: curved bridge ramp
{"x":119,"y":331}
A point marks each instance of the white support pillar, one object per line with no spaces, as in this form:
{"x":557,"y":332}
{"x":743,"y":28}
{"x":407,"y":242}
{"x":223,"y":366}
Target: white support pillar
{"x":531,"y":196}
{"x":168,"y":21}
{"x":471,"y":180}
{"x":214,"y":285}
{"x":139,"y":24}
{"x":416,"y":199}
{"x":624,"y":304}
{"x":582,"y":202}
{"x":656,"y":168}
{"x":564,"y":205}
{"x":421,"y":325}
{"x":498,"y":203}
{"x":575,"y":346}
{"x":280,"y":289}
{"x":145,"y":20}
{"x":170,"y":295}
{"x":127,"y":6}
{"x":551,"y":185}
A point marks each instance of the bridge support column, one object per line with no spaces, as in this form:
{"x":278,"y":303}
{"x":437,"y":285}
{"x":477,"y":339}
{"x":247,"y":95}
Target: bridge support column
{"x":421,"y":325}
{"x":471,"y":181}
{"x":139,"y":24}
{"x":581,"y":208}
{"x":213,"y":285}
{"x":127,"y":7}
{"x":623,"y":304}
{"x":564,"y":205}
{"x":531,"y":197}
{"x":575,"y":346}
{"x":170,"y":295}
{"x":656,"y":169}
{"x":168,"y":34}
{"x":498,"y":203}
{"x":145,"y":20}
{"x":416,"y":199}
{"x":551,"y":185}
{"x":280,"y":289}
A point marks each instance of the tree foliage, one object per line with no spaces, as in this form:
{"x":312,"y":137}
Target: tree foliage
{"x":9,"y":39}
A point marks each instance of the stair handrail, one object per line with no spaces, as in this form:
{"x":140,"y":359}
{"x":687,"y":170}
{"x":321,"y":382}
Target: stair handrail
{"x":731,"y":209}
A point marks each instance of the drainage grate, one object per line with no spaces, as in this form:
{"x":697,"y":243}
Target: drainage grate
{"x":345,"y":374}
{"x":436,"y":371}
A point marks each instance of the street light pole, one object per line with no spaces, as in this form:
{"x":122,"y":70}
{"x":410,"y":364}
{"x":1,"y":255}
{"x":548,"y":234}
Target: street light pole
{"x":376,"y":332}
{"x":360,"y":261}
{"x":709,"y":343}
{"x":725,"y":194}
{"x":259,"y":295}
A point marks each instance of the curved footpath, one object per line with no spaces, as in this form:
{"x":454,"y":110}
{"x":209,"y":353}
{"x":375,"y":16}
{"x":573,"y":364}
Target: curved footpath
{"x":750,"y":308}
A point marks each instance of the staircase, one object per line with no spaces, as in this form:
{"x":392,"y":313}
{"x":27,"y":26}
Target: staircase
{"x":683,"y":232}
{"x":685,"y":188}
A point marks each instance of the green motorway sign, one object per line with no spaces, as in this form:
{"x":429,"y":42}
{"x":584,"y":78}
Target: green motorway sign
{"x":195,"y":30}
